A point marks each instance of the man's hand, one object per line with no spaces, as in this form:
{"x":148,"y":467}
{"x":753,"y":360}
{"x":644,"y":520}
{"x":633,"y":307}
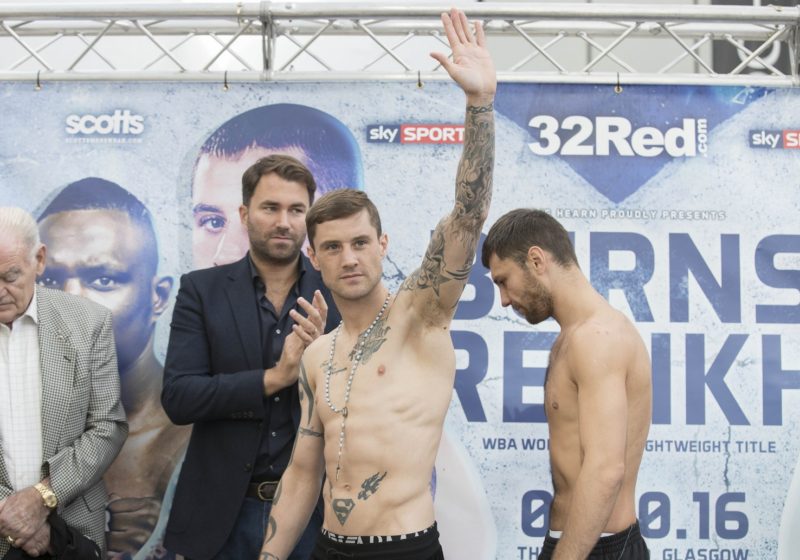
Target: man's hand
{"x":22,"y":515}
{"x":39,"y":543}
{"x":310,"y":327}
{"x":304,"y":332}
{"x":131,"y":522}
{"x":472,"y":67}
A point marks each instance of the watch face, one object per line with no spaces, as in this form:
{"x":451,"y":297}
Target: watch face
{"x":49,"y":497}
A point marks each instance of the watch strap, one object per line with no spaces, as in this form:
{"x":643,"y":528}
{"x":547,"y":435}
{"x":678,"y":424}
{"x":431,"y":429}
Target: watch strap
{"x":48,"y":496}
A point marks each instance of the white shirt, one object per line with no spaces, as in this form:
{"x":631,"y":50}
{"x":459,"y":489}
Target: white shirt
{"x":21,"y":399}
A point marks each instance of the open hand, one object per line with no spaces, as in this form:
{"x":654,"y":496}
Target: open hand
{"x":310,"y":327}
{"x":472,"y":67}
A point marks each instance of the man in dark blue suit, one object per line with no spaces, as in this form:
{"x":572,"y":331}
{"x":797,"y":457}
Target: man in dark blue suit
{"x":232,"y":366}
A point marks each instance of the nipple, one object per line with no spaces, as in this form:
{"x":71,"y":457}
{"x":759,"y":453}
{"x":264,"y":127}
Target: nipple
{"x":381,"y":369}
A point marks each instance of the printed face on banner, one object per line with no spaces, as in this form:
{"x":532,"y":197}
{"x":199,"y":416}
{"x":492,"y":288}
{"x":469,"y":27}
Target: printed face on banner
{"x":17,"y":277}
{"x":102,"y":255}
{"x":218,"y":234}
{"x":275,"y":219}
{"x":349,"y":255}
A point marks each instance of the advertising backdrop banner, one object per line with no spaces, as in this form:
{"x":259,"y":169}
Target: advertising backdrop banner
{"x":683,"y":204}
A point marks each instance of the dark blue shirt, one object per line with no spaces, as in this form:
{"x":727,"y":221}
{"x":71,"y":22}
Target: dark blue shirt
{"x":278,"y":431}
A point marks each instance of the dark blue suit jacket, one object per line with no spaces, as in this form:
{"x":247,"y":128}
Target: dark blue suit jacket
{"x":213,"y":378}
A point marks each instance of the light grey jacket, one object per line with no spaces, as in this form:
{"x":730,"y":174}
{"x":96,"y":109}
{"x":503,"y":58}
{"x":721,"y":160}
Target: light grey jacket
{"x":83,"y":422}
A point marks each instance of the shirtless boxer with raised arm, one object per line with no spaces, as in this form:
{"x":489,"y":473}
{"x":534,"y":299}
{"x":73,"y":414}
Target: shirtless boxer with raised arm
{"x":597,"y":389}
{"x":375,"y":391}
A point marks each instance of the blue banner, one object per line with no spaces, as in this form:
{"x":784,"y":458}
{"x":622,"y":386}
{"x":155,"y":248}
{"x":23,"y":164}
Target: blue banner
{"x":682,"y":203}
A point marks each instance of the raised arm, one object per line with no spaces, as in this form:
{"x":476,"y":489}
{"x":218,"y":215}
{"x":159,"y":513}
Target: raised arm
{"x":437,"y":285}
{"x":298,"y":490}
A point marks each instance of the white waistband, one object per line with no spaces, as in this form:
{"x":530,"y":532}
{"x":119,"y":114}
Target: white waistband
{"x":557,"y":534}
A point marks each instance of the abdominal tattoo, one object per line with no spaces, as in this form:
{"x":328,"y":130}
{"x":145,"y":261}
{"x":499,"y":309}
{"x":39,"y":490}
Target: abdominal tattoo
{"x":344,"y":507}
{"x":370,"y":486}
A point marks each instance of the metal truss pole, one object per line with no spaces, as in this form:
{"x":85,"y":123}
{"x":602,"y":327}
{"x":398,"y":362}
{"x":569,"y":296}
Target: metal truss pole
{"x":283,"y":41}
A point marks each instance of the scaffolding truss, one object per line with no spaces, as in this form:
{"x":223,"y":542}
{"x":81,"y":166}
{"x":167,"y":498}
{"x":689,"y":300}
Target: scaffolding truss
{"x":274,"y":41}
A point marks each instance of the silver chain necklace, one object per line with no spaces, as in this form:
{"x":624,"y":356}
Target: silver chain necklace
{"x":362,"y":339}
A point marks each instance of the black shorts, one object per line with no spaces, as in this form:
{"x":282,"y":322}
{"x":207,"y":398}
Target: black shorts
{"x":625,"y":545}
{"x":422,"y":545}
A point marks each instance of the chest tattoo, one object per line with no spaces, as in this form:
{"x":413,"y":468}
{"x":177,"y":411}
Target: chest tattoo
{"x":373,"y":340}
{"x":357,"y":356}
{"x":328,"y":366}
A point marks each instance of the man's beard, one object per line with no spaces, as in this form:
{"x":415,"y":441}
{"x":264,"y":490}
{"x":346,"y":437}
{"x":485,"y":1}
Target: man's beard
{"x":259,"y":246}
{"x":538,"y":304}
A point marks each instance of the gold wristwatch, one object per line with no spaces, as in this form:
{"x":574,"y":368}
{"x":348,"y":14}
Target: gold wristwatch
{"x":49,"y":497}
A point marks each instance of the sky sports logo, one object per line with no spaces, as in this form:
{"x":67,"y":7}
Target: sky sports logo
{"x":415,"y":133}
{"x":774,"y":139}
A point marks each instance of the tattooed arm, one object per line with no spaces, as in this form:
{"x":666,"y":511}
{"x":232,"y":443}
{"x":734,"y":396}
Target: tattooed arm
{"x":437,"y":285}
{"x":300,"y":484}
